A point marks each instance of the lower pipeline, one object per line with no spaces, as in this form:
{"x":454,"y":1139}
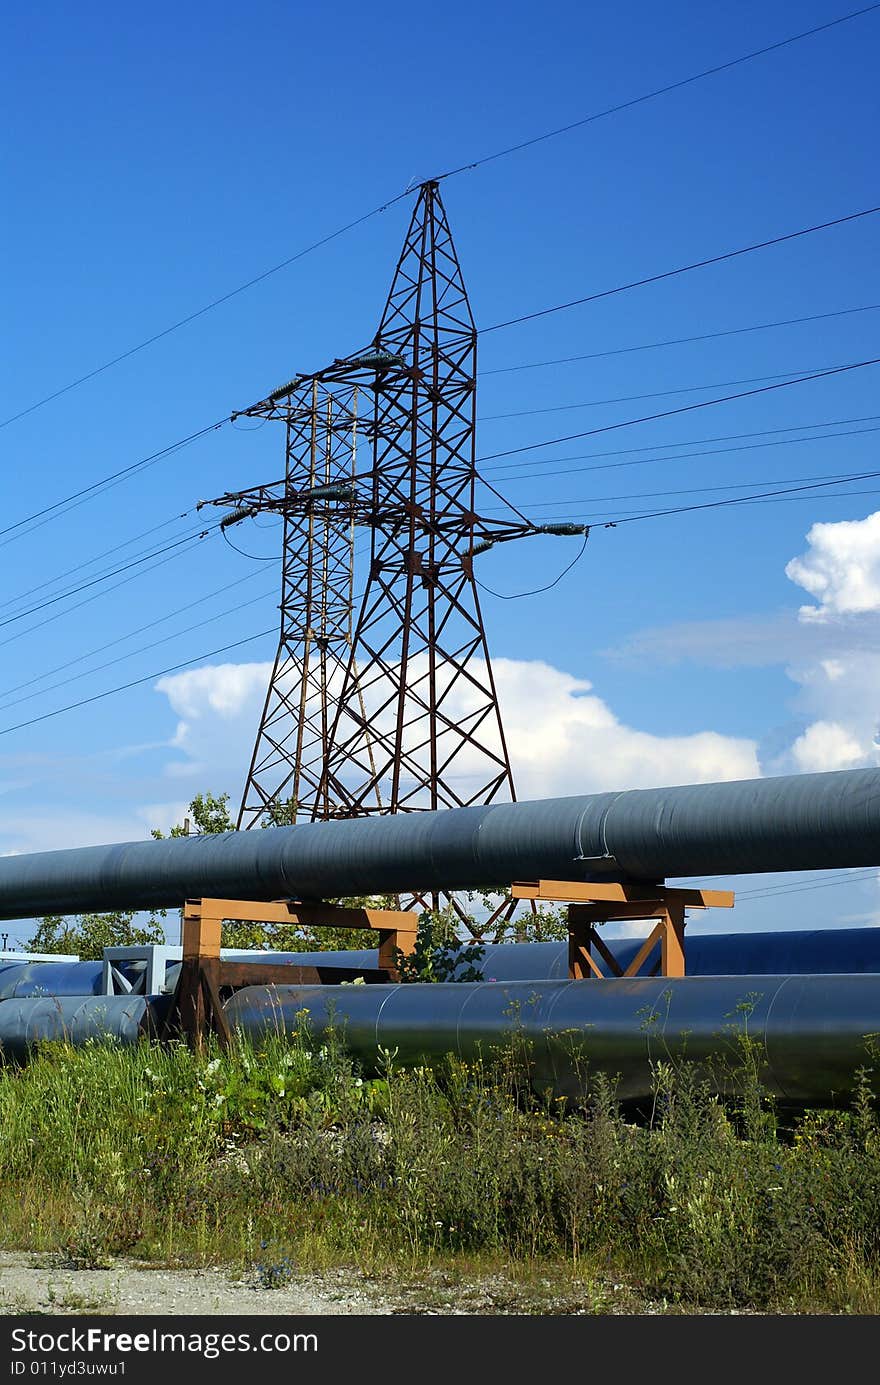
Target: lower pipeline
{"x":814,"y":1031}
{"x":778,"y":952}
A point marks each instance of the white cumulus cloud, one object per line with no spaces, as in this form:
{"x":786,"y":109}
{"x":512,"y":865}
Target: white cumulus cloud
{"x":219,"y":708}
{"x":562,"y":737}
{"x":826,"y":745}
{"x":841,"y":568}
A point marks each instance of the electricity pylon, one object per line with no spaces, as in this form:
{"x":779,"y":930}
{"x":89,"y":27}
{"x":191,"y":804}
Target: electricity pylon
{"x":396,"y":710}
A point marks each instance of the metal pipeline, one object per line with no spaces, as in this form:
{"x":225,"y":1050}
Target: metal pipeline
{"x":800,"y":822}
{"x":792,"y":952}
{"x":813,"y":1029}
{"x":74,"y":1019}
{"x":50,"y":978}
{"x":783,"y":952}
{"x":788,"y":952}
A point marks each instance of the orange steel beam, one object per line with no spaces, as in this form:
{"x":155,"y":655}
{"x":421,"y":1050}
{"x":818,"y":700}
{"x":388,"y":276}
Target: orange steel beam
{"x":397,"y":928}
{"x":614,"y":891}
{"x":592,"y":903}
{"x":196,"y":1007}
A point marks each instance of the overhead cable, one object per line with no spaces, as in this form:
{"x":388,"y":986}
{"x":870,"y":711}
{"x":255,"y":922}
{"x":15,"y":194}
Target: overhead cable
{"x":658,"y":91}
{"x":48,"y":511}
{"x":449,"y":173}
{"x":681,"y":341}
{"x":681,"y":269}
{"x":682,"y":409}
{"x":137,"y":682}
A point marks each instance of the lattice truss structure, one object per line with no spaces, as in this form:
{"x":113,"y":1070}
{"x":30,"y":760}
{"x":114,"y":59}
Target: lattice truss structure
{"x":395,"y":710}
{"x":315,"y":500}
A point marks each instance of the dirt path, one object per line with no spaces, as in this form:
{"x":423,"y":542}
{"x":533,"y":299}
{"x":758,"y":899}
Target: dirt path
{"x":35,"y":1283}
{"x":42,"y":1284}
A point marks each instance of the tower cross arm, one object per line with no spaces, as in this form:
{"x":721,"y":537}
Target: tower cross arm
{"x":278,"y":498}
{"x":489,"y":532}
{"x":251,"y":501}
{"x":370,"y":367}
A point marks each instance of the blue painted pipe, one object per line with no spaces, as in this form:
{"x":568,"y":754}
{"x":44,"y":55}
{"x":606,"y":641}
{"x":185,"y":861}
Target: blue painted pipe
{"x":814,"y":1032}
{"x":75,"y":1019}
{"x":800,"y":822}
{"x":823,"y":950}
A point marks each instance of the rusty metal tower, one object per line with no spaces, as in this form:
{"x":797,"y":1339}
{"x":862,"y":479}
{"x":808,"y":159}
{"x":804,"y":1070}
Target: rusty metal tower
{"x":396,"y":710}
{"x":418,"y":677}
{"x":315,"y":501}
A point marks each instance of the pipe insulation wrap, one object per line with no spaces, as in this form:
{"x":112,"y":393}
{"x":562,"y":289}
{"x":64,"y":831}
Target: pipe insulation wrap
{"x":814,"y":1029}
{"x":75,"y":1020}
{"x":797,"y":822}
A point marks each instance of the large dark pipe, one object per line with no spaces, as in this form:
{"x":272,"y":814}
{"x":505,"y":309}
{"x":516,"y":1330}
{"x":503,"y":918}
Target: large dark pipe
{"x":77,"y":1020}
{"x":813,"y":1030}
{"x":802,"y":822}
{"x":784,"y":952}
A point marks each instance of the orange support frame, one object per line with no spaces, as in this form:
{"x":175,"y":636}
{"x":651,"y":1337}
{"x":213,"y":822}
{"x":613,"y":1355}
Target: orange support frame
{"x":196,"y":1007}
{"x":396,"y":928}
{"x":592,"y":904}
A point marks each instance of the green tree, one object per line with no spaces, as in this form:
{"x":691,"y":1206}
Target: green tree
{"x":541,"y":925}
{"x":210,"y":813}
{"x":89,"y":934}
{"x":281,"y":813}
{"x":439,"y":955}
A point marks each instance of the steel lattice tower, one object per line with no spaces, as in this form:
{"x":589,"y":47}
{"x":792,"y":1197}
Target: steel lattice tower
{"x":396,"y":711}
{"x":419,"y":660}
{"x":315,"y":502}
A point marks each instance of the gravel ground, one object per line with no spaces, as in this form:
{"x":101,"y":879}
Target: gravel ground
{"x":43,"y":1284}
{"x":32,"y":1283}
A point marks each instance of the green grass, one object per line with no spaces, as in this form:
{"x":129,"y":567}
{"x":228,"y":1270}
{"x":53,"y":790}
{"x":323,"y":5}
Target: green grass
{"x":285,"y":1159}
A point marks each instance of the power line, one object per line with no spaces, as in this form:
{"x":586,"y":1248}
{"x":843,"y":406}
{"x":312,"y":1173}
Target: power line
{"x":785,"y":495}
{"x":595,"y":517}
{"x":89,"y":562}
{"x":142,"y":649}
{"x":239,"y":581}
{"x":683,"y":409}
{"x":87,"y":492}
{"x":120,"y":639}
{"x":802,"y":889}
{"x":654,"y":394}
{"x":101,"y":577}
{"x":594,"y":520}
{"x":658,"y":91}
{"x":536,"y":591}
{"x":688,"y":490}
{"x":95,"y":596}
{"x":200,"y":312}
{"x":254,"y":557}
{"x":682,"y":341}
{"x":835,"y":877}
{"x":43,"y":515}
{"x":450,"y":173}
{"x":739,"y":500}
{"x":682,"y":456}
{"x":681,"y":269}
{"x":137,"y":682}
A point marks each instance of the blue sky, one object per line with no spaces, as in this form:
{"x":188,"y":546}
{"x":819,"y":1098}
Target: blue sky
{"x":156,"y":161}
